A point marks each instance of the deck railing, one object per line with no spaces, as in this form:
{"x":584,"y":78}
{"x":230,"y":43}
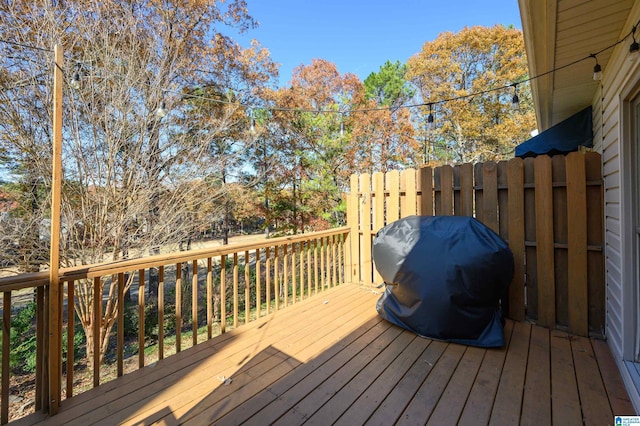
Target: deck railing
{"x":192,"y":295}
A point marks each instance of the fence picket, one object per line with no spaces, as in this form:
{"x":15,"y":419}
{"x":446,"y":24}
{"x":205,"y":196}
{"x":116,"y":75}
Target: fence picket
{"x":577,"y":244}
{"x":528,"y":202}
{"x":515,"y":177}
{"x":544,"y":241}
{"x":365,"y":188}
{"x":595,"y":241}
{"x":410,"y":193}
{"x":466,"y":190}
{"x":490,"y":195}
{"x":378,"y":215}
{"x":426,"y":191}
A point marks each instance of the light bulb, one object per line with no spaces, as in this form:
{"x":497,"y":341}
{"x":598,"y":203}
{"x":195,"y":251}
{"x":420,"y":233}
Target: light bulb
{"x":162,"y":110}
{"x":634,"y":51}
{"x":75,"y":81}
{"x":597,"y":72}
{"x":430,"y":122}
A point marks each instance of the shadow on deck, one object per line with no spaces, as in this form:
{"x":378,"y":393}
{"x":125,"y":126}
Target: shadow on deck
{"x":332,"y":359}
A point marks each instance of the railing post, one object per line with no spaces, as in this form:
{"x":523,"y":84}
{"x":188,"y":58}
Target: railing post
{"x":55,"y":311}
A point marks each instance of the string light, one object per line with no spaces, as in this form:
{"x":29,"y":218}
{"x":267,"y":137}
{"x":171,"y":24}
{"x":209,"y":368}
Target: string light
{"x":162,"y":110}
{"x":75,"y":80}
{"x":430,"y":120}
{"x":252,"y":128}
{"x":597,"y":69}
{"x":634,"y":48}
{"x":515,"y":101}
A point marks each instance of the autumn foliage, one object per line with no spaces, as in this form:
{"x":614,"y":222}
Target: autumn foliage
{"x":478,"y":60}
{"x":230,"y":146}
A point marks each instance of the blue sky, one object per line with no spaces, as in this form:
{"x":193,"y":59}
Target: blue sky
{"x":360,"y":36}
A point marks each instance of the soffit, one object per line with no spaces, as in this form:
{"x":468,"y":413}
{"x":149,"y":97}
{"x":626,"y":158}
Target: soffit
{"x":560,"y":32}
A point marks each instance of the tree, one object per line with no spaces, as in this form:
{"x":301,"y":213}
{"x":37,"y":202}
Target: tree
{"x":129,"y":172}
{"x":454,"y":66}
{"x":389,"y":86}
{"x":311,"y":140}
{"x":383,"y":133}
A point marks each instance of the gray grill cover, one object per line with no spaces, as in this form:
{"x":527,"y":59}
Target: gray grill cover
{"x":445,"y":276}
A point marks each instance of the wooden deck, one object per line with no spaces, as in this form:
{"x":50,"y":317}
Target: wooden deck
{"x":332,"y":359}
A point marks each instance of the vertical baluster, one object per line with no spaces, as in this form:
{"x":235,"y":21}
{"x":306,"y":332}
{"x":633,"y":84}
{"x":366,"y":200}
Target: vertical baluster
{"x":294,"y":271}
{"x":161,"y":312}
{"x":235,"y":290}
{"x":285,"y":275}
{"x":209,"y":302}
{"x":301,"y":259}
{"x":258,"y":283}
{"x":97,"y":319}
{"x":178,"y":307}
{"x":315,"y":263}
{"x":119,"y":331}
{"x":276,"y":276}
{"x":268,"y":279}
{"x":341,"y":258}
{"x":141,"y":318}
{"x":40,"y":348}
{"x":247,"y":295}
{"x":70,"y":337}
{"x":309,"y":280}
{"x":223,"y":293}
{"x":334,"y":265}
{"x":194,"y":302}
{"x":323,"y":277}
{"x":6,"y":353}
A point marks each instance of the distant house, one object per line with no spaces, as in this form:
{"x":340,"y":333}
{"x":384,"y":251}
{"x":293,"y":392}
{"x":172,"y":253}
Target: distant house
{"x":576,"y":38}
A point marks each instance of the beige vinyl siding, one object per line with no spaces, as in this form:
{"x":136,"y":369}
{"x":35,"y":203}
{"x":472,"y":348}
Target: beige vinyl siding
{"x":607,"y":115}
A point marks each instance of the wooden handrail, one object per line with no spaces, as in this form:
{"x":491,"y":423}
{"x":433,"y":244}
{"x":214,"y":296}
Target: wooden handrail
{"x":275,"y":263}
{"x":41,"y":278}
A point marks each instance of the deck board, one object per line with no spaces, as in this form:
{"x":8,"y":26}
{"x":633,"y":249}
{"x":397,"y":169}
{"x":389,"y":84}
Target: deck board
{"x":480,"y":401}
{"x":536,"y":402}
{"x":331,"y":359}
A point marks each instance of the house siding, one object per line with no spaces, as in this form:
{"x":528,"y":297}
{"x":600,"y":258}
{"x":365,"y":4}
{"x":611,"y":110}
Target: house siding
{"x":608,"y":109}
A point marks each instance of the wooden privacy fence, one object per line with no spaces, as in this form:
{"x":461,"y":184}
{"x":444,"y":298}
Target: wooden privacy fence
{"x":549,"y":210}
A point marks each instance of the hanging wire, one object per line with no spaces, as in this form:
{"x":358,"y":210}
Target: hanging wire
{"x":25,"y":46}
{"x":597,"y":72}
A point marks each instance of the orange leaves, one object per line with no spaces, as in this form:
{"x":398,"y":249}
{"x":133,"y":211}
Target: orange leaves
{"x":475,"y":60}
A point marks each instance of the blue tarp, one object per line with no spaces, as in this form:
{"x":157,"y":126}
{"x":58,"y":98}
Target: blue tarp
{"x":563,"y":138}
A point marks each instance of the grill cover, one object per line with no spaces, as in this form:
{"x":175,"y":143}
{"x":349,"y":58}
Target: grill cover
{"x":445,"y":276}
